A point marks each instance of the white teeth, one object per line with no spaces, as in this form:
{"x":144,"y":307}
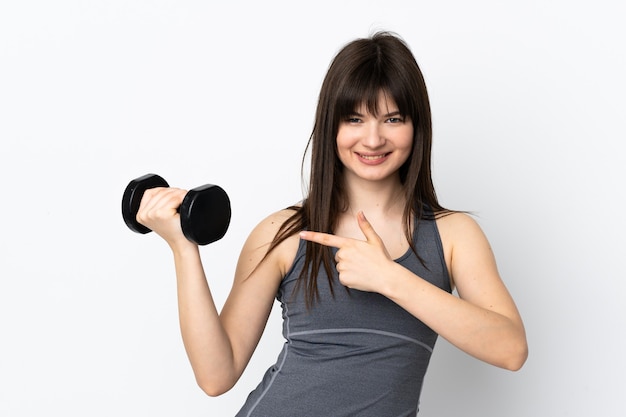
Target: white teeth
{"x":372,"y":157}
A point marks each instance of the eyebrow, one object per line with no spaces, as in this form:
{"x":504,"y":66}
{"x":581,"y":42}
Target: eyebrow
{"x":393,"y":113}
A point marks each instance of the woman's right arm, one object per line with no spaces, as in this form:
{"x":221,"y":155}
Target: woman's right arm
{"x":219,"y":345}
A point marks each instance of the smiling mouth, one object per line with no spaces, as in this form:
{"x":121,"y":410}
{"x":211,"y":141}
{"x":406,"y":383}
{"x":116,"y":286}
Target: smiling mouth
{"x":372,"y":157}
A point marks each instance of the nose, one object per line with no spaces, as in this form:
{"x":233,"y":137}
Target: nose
{"x":374,"y":137}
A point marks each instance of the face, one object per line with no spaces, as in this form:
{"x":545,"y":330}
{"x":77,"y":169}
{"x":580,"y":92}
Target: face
{"x":374,"y":147}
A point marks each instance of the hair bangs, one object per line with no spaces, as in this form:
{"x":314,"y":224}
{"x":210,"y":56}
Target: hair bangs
{"x":364,"y":89}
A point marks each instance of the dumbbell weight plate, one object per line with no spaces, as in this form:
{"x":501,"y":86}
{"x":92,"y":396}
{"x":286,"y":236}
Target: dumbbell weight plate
{"x":205,"y":214}
{"x":132,"y":198}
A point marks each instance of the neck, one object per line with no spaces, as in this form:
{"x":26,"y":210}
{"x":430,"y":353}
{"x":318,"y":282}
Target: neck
{"x":375,"y":198}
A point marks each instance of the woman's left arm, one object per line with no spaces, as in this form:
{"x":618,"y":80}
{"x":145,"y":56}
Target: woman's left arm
{"x":483,"y":321}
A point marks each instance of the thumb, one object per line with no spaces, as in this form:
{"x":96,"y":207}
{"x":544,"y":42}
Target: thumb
{"x":367,"y":229}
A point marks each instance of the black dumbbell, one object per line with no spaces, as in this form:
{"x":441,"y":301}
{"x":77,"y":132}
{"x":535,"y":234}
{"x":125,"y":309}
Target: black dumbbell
{"x":204,"y":212}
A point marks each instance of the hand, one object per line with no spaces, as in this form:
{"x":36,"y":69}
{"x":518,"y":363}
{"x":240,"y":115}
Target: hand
{"x":158,"y":211}
{"x":361,"y":264}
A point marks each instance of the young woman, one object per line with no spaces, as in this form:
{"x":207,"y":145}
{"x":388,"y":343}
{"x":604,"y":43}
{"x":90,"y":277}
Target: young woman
{"x":364,"y":266}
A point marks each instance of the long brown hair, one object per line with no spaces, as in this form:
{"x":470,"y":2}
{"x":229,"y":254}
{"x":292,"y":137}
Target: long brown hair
{"x":358,"y":73}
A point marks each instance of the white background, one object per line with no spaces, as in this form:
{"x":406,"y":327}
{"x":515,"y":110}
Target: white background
{"x":528,"y":108}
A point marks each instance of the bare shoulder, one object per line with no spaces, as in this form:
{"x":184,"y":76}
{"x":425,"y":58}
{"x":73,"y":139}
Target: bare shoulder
{"x":465,"y":246}
{"x":275,"y":220}
{"x":457,"y":225}
{"x":265,"y":231}
{"x":260,"y":239}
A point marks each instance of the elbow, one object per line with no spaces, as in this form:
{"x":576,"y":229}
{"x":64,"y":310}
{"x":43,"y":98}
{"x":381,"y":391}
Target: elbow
{"x":516,"y":358}
{"x":212,"y":391}
{"x":213,"y":387}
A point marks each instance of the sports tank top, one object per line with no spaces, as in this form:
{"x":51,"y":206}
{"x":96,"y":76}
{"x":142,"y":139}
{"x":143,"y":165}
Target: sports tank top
{"x":352,"y":354}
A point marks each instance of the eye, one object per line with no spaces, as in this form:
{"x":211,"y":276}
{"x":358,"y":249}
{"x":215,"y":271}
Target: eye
{"x":353,"y":119}
{"x":395,"y":120}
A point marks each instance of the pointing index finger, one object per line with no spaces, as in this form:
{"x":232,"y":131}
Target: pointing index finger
{"x":325,"y":239}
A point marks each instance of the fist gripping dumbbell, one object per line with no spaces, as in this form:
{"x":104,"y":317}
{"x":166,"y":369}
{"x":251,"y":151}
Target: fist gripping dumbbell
{"x":204,"y":213}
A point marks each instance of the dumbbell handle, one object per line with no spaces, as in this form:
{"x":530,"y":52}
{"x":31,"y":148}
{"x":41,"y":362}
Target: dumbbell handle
{"x":204,"y":213}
